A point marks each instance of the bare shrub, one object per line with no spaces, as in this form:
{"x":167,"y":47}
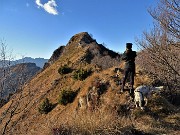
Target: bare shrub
{"x":159,"y":55}
{"x":8,"y":85}
{"x":167,"y":15}
{"x":105,"y":62}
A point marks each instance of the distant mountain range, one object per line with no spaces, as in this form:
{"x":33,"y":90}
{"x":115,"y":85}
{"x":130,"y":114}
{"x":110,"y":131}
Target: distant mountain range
{"x":38,"y":61}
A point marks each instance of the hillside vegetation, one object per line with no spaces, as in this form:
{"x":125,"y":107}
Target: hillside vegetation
{"x":49,"y":103}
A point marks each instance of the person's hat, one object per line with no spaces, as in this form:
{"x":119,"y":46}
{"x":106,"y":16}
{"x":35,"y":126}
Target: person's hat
{"x":129,"y":45}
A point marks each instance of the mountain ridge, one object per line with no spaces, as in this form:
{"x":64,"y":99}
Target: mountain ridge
{"x":110,"y":113}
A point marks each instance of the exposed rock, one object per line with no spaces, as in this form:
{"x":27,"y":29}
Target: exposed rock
{"x":82,"y":38}
{"x":82,"y":102}
{"x":55,"y":56}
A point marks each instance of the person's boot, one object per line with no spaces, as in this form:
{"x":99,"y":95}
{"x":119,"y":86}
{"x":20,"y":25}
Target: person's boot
{"x":122,"y":90}
{"x":131,"y":93}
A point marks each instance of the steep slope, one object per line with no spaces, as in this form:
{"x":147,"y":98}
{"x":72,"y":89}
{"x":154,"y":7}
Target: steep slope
{"x":111,"y":114}
{"x":76,"y":55}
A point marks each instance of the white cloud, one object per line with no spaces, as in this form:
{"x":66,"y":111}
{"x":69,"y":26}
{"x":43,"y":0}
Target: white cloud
{"x":38,"y":2}
{"x":49,"y":7}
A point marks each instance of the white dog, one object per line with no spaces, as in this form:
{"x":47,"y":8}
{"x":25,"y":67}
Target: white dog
{"x":142,"y":93}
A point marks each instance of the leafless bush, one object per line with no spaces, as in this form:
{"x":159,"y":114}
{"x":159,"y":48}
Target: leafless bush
{"x":106,"y":62}
{"x":167,"y":14}
{"x":161,"y":60}
{"x":5,"y":63}
{"x":9,"y":84}
{"x":159,"y":55}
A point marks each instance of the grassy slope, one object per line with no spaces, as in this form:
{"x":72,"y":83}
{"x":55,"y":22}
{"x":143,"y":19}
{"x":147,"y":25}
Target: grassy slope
{"x":111,"y":117}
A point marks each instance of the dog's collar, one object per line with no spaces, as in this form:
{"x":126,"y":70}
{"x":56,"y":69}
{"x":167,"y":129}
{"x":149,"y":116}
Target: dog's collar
{"x":138,"y":91}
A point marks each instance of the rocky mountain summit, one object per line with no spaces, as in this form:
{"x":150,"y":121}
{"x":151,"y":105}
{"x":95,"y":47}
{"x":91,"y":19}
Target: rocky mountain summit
{"x":95,"y":53}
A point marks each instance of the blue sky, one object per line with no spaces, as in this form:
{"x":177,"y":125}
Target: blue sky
{"x":36,"y":28}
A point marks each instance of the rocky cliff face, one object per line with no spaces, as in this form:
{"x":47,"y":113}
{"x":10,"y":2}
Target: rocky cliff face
{"x":55,"y":56}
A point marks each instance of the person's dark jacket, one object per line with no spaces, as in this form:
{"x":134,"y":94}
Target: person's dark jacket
{"x":129,"y":57}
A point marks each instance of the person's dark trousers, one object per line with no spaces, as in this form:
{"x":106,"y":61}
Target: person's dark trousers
{"x":131,"y":72}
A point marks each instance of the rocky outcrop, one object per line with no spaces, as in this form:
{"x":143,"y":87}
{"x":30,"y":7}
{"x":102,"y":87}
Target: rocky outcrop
{"x":55,"y":56}
{"x":82,"y":38}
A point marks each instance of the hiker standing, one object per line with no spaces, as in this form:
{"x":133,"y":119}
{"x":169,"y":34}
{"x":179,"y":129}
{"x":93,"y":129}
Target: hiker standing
{"x":129,"y":69}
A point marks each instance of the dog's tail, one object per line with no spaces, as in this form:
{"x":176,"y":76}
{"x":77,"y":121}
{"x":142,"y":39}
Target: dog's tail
{"x":158,"y":88}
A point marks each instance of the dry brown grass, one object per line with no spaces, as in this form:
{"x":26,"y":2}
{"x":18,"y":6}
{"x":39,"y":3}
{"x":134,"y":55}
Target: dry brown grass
{"x":104,"y":122}
{"x":109,"y":119}
{"x":112,"y":116}
{"x":96,"y":122}
{"x":141,"y":78}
